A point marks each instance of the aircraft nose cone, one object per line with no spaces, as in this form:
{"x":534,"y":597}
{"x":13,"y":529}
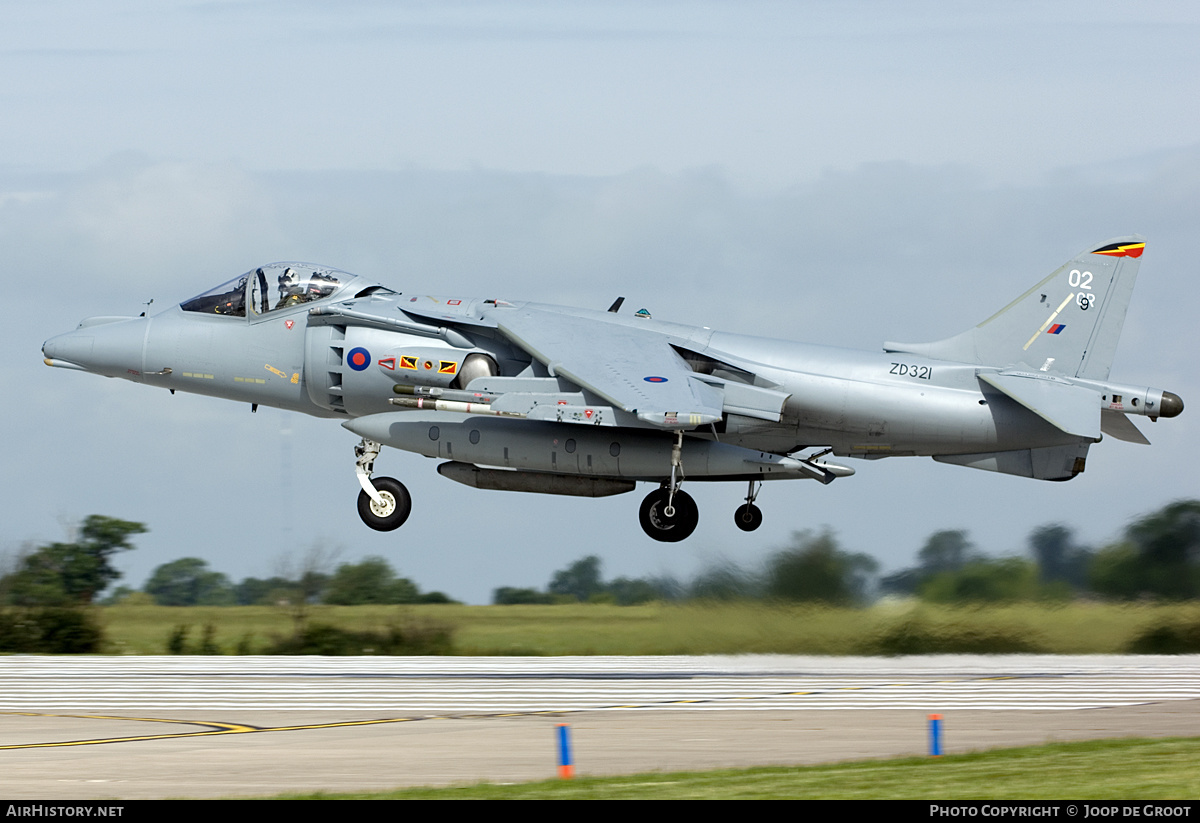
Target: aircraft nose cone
{"x":1172,"y":405}
{"x":73,"y":347}
{"x":111,"y":346}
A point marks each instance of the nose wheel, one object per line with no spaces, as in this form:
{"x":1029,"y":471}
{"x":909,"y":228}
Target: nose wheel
{"x":667,"y":520}
{"x":383,"y":504}
{"x":392,"y":509}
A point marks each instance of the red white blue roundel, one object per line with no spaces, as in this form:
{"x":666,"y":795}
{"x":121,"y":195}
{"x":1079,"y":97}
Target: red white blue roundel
{"x":655,"y":379}
{"x":359,"y":358}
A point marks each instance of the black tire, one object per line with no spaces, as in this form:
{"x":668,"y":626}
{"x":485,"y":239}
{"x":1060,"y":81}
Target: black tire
{"x":397,"y":505}
{"x":748,"y":517}
{"x":668,"y":529}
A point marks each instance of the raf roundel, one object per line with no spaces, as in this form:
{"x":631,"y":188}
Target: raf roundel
{"x":359,"y":358}
{"x":655,"y":379}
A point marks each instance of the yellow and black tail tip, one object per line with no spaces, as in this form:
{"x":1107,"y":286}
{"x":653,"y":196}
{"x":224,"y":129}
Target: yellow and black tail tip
{"x":1121,"y":249}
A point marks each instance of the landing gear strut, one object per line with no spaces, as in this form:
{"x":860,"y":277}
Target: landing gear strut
{"x":383,"y":504}
{"x":748,"y":516}
{"x":669,"y":514}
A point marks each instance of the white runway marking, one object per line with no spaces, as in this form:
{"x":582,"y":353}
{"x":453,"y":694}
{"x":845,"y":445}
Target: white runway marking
{"x":449,"y":685}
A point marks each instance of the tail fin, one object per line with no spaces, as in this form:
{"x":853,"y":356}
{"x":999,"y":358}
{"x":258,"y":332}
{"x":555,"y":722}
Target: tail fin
{"x":1067,"y":324}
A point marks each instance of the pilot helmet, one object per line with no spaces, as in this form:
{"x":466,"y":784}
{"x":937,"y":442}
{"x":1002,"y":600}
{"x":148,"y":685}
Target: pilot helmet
{"x":288,"y":281}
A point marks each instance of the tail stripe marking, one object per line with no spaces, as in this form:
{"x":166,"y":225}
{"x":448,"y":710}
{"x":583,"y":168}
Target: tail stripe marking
{"x":1050,"y":319}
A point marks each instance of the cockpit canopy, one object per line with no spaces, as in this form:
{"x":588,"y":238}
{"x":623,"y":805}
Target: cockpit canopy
{"x":269,"y":288}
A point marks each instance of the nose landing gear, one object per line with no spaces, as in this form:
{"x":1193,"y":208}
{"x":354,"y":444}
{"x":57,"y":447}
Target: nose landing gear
{"x":393,"y":508}
{"x":383,"y":504}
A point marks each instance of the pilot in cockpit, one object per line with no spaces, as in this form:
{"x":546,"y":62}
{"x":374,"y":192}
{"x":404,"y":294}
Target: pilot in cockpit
{"x":291,"y":290}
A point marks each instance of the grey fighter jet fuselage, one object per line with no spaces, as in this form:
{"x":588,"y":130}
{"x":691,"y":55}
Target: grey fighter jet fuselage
{"x":530,"y":397}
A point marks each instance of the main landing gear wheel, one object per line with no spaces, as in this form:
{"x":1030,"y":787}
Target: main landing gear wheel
{"x":748,"y":517}
{"x":397,"y":505}
{"x":668,"y":529}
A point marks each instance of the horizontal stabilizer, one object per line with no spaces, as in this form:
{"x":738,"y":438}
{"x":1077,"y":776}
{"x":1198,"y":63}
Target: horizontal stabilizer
{"x":1073,"y":409}
{"x":1116,"y":424}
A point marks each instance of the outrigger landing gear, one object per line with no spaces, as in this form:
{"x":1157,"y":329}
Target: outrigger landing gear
{"x":748,"y":516}
{"x":383,"y":504}
{"x":669,"y":514}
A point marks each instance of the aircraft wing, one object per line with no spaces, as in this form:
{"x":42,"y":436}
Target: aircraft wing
{"x":634,"y":369}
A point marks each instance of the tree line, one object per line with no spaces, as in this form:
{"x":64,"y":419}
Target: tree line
{"x":189,"y":581}
{"x":1157,"y":558}
{"x":76,"y":573}
{"x":812,"y":568}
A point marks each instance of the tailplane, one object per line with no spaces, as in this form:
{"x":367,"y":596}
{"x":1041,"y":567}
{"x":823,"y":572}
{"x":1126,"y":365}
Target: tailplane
{"x":1068,"y":324}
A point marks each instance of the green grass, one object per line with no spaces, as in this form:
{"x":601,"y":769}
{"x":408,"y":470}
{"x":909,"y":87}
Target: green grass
{"x":1092,"y":770}
{"x":740,"y":628}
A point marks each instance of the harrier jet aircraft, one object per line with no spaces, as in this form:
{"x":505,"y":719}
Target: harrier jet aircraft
{"x":539,"y":398}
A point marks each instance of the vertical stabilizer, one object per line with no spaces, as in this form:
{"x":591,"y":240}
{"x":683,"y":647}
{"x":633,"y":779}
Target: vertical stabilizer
{"x":1067,"y":324}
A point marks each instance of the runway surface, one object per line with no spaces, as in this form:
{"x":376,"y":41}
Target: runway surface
{"x":134,"y":727}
